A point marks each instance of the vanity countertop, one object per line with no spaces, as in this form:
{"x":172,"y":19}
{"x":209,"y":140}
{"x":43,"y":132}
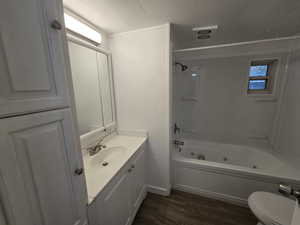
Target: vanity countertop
{"x":119,"y":149}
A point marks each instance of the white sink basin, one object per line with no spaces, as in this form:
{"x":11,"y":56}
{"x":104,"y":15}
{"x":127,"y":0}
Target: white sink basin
{"x":105,"y":157}
{"x":118,"y":151}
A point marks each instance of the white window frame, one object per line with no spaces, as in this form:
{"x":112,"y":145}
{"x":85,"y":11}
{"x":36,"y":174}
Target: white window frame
{"x":265,"y":95}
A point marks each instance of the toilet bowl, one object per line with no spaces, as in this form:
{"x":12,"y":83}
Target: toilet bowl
{"x":271,"y":209}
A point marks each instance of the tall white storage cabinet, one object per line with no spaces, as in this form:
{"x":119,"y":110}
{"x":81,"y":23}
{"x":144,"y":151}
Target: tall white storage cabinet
{"x":32,"y":62}
{"x":41,"y":175}
{"x":37,"y":164}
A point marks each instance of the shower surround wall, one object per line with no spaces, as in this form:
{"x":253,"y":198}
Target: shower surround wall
{"x":288,"y":136}
{"x":220,"y":121}
{"x":211,"y":101}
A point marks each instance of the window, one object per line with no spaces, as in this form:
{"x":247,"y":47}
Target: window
{"x":75,"y":26}
{"x":261,"y":76}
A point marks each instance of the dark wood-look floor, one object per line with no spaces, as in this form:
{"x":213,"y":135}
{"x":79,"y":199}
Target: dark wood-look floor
{"x":187,"y":209}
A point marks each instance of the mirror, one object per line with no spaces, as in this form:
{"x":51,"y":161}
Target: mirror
{"x":106,"y":88}
{"x":92,"y":83}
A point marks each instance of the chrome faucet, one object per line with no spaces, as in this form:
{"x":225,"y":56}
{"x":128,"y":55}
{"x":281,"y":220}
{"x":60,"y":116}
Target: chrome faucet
{"x":93,"y":150}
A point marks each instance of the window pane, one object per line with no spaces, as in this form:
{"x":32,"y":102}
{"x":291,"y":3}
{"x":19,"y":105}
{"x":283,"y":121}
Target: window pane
{"x":256,"y":71}
{"x":257,"y":84}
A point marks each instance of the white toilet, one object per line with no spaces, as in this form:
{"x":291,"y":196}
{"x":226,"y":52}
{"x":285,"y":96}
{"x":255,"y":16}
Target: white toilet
{"x":271,"y":209}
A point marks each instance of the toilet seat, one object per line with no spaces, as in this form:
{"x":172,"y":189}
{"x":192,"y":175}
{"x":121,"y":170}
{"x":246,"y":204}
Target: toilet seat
{"x":271,"y":209}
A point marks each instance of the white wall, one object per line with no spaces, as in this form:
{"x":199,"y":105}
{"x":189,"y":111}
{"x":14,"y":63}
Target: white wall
{"x":141,"y":64}
{"x":288,"y":138}
{"x":223,"y":112}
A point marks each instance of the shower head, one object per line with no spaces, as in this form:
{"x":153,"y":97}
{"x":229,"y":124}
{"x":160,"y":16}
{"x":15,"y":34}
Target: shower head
{"x":183,"y":67}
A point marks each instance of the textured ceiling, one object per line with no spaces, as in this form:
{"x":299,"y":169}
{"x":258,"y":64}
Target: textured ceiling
{"x":238,"y":20}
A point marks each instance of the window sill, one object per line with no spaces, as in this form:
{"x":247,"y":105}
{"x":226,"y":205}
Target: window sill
{"x":263,"y":97}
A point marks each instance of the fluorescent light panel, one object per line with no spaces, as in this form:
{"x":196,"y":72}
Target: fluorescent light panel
{"x":82,"y":29}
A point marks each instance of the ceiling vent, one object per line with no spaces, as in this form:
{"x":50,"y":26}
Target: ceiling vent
{"x":202,"y":33}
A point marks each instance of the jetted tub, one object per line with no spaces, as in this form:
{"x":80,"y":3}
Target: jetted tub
{"x":229,"y":172}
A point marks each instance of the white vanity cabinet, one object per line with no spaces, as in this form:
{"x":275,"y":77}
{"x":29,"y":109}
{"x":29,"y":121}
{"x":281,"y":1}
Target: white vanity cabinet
{"x":118,"y":203}
{"x":40,"y":178}
{"x":32,"y":57}
{"x":138,"y":181}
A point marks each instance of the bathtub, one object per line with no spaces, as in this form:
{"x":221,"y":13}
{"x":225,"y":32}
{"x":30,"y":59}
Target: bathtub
{"x":229,"y":172}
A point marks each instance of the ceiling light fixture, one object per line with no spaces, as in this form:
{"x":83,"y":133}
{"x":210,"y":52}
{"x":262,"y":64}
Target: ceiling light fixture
{"x":77,"y":27}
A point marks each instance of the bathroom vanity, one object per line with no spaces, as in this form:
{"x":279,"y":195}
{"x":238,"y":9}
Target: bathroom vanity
{"x":116,"y":180}
{"x":114,"y":163}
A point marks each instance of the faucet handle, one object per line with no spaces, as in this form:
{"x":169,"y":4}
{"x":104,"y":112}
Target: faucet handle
{"x":296,"y":194}
{"x":285,"y":189}
{"x":288,"y":191}
{"x":177,"y":142}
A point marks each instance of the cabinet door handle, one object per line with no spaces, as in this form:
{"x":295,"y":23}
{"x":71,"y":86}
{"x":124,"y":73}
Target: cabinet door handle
{"x":78,"y":171}
{"x":56,"y":25}
{"x":129,"y":170}
{"x":132,"y":166}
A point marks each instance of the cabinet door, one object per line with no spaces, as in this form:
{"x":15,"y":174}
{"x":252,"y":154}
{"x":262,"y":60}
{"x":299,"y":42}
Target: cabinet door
{"x":138,"y":180}
{"x":117,"y":204}
{"x":32,"y":66}
{"x":38,"y":157}
{"x":106,"y":88}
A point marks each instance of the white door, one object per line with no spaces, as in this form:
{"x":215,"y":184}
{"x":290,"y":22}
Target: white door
{"x":296,"y":216}
{"x":138,"y":179}
{"x":32,"y":65}
{"x":38,"y":185}
{"x":117,"y":204}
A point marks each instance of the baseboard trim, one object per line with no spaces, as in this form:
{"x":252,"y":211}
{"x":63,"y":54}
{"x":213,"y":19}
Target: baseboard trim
{"x":159,"y":190}
{"x":213,"y":195}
